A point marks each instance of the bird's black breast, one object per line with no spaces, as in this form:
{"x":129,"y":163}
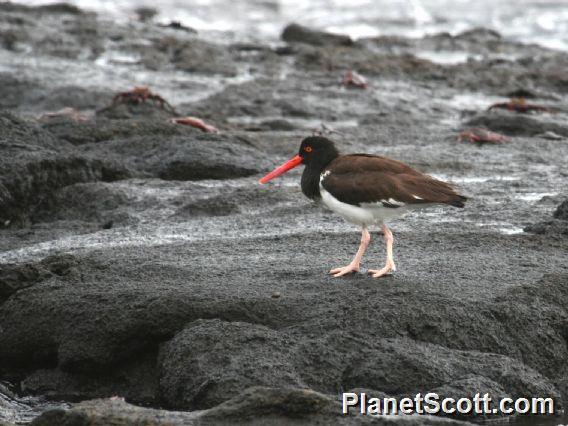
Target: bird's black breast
{"x":310,"y":183}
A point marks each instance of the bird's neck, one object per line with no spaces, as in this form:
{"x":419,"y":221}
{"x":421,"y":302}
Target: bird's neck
{"x":312,"y":173}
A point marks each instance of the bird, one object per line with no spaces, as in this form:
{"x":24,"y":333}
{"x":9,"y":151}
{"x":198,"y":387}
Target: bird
{"x":365,"y":190}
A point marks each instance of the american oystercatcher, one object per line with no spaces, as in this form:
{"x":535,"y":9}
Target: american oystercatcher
{"x":366,"y":190}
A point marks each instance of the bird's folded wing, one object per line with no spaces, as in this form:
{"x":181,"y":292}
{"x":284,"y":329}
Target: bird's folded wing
{"x":370,"y":163}
{"x":365,"y":186}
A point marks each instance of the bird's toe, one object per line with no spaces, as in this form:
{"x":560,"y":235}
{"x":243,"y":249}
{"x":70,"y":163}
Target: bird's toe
{"x":378,"y":273}
{"x":339,"y":272}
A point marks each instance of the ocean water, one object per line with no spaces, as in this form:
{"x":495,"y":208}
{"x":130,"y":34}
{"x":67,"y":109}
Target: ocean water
{"x":544,"y":22}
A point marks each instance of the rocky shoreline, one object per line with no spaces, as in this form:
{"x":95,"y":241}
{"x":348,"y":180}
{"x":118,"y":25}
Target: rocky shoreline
{"x":140,"y":258}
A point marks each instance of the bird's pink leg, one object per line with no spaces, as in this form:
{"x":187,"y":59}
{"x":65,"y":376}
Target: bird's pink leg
{"x":389,"y":266}
{"x":354,"y":265}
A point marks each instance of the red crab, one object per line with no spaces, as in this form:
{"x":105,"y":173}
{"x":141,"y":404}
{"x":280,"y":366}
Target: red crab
{"x":519,"y":105}
{"x":72,"y":113}
{"x":138,"y":95}
{"x":353,"y":79}
{"x":195,"y":122}
{"x":480,"y":135}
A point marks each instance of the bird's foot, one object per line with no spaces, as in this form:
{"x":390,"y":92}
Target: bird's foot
{"x":388,"y":269}
{"x":349,"y":269}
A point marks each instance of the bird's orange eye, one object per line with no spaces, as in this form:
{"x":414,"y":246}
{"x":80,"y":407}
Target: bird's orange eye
{"x":308,"y":149}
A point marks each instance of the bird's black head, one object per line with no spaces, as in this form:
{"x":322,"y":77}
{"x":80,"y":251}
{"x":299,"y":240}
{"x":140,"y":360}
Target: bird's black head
{"x":317,"y":151}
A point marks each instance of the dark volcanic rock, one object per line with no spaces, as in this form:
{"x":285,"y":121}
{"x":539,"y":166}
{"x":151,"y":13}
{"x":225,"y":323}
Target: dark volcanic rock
{"x":477,"y":42}
{"x":177,"y":25}
{"x":64,"y":30}
{"x":265,"y":97}
{"x":221,"y":285}
{"x":160,"y":48}
{"x":145,"y":13}
{"x":469,"y":387}
{"x":16,"y":132}
{"x":255,"y":406}
{"x":13,"y":89}
{"x":202,"y":156}
{"x":137,"y":379}
{"x":53,"y":99}
{"x":212,"y":360}
{"x":556,"y":226}
{"x":14,"y":277}
{"x":487,"y":66}
{"x":38,"y":166}
{"x":562,"y":211}
{"x":247,"y":200}
{"x":214,"y":206}
{"x":80,"y":133}
{"x":33,"y":166}
{"x":517,"y":124}
{"x":368,"y":63}
{"x":61,"y":7}
{"x":387,"y":366}
{"x":283,"y":125}
{"x":479,"y":35}
{"x":149,"y":109}
{"x":299,"y":34}
{"x":201,"y":57}
{"x":280,"y":402}
{"x":257,"y":98}
{"x":95,"y":201}
{"x":212,"y":336}
{"x":542,"y":70}
{"x":31,"y":94}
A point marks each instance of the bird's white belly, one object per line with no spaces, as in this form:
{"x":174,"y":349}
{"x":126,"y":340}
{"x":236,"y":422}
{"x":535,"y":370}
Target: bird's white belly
{"x":367,"y":214}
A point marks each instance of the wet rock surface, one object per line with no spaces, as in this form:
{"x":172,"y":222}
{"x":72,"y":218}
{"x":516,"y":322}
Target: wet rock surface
{"x":141,"y":258}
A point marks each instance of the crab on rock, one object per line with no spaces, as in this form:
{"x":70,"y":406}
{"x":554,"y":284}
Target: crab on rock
{"x":519,"y":105}
{"x":195,"y":122}
{"x":138,"y":95}
{"x":353,"y":79}
{"x":480,"y":136}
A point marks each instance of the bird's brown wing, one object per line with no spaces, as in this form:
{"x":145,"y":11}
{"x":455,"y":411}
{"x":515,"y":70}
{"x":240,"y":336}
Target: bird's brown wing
{"x":370,"y":163}
{"x":372,"y":179}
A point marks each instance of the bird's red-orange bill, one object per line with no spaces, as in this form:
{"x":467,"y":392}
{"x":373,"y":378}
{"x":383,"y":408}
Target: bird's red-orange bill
{"x":288,"y":165}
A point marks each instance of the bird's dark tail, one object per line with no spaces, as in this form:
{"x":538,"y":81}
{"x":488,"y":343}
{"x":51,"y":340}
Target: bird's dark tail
{"x":458,"y":201}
